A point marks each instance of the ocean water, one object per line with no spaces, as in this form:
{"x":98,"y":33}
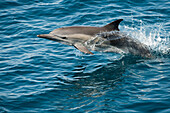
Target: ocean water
{"x":39,"y":75}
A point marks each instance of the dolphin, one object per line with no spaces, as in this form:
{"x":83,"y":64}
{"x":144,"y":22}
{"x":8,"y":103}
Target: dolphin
{"x":106,"y":38}
{"x":118,"y":42}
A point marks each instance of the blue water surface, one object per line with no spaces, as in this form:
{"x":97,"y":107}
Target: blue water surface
{"x":39,"y":75}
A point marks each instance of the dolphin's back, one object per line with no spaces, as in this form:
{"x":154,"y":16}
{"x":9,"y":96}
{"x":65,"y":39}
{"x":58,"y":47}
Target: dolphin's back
{"x":87,"y":30}
{"x":77,"y":30}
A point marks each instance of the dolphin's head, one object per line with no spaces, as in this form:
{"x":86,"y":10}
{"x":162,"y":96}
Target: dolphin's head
{"x":60,"y":39}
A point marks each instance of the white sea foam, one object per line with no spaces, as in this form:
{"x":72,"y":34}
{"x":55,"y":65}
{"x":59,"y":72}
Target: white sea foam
{"x":153,"y":35}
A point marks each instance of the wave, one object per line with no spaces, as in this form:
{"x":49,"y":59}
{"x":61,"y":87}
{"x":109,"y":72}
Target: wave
{"x":153,"y":35}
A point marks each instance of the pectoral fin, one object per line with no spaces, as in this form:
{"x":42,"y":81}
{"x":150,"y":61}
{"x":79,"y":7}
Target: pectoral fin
{"x":82,"y":48}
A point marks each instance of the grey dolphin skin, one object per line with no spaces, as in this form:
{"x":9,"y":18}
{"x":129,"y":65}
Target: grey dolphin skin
{"x":106,"y":38}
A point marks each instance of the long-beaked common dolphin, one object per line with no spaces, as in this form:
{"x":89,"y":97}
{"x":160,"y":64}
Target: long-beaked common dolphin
{"x":103,"y":38}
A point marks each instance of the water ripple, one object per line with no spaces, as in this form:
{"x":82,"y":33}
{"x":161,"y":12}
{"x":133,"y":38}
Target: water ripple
{"x":39,"y":75}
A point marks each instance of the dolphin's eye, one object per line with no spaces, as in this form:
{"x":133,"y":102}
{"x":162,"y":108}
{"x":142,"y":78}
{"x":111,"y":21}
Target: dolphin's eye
{"x":64,"y":37}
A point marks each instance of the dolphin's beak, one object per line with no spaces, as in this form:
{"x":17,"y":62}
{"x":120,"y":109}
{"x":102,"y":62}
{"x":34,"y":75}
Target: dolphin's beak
{"x":56,"y":38}
{"x":49,"y":36}
{"x":38,"y":35}
{"x":44,"y":36}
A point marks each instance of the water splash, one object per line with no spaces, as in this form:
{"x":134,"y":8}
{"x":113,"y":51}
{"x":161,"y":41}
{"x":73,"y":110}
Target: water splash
{"x":153,"y":35}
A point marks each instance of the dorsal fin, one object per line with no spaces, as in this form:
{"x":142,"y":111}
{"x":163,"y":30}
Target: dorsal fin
{"x":113,"y":25}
